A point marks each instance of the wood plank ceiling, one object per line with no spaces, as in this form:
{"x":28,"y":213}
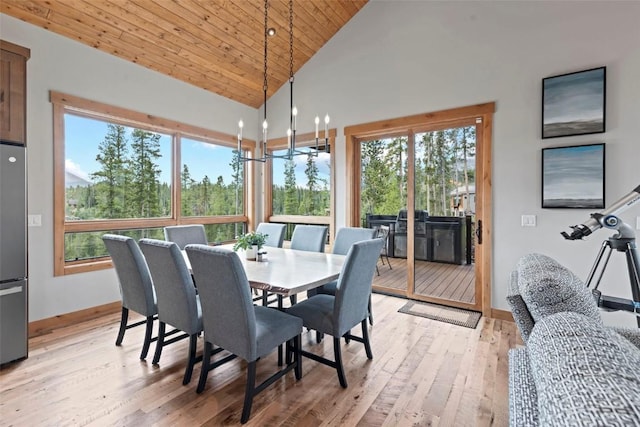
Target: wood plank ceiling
{"x":217,"y":45}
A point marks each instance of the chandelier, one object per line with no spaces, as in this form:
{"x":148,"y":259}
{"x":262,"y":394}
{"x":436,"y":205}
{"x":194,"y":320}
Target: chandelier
{"x":291,"y":150}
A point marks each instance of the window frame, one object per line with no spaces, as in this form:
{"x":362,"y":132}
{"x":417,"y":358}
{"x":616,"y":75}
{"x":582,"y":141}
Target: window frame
{"x":63,"y":104}
{"x":302,"y":140}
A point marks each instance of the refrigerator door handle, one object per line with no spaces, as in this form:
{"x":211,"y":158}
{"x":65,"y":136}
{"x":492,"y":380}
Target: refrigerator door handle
{"x":10,"y":291}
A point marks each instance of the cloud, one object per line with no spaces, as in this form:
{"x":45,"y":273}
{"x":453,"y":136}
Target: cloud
{"x":72,"y":167}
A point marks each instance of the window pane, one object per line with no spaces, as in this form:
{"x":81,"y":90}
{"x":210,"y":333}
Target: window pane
{"x":383,"y":177}
{"x":114,"y":171}
{"x":212,"y":180}
{"x":223,"y":233}
{"x":445,"y":171}
{"x":301,"y":186}
{"x":87,"y":245}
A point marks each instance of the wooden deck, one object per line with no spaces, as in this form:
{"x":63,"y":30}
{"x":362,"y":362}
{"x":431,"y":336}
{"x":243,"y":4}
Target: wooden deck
{"x":447,"y":281}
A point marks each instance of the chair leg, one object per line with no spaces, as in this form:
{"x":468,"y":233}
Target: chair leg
{"x":147,"y":338}
{"x":370,"y":311}
{"x":365,"y":339}
{"x":193,"y":340}
{"x":388,"y":262}
{"x":123,"y":325}
{"x":204,"y":369}
{"x":298,"y":356}
{"x":248,"y":394}
{"x":377,"y":270}
{"x":339,"y":367}
{"x":159,"y":343}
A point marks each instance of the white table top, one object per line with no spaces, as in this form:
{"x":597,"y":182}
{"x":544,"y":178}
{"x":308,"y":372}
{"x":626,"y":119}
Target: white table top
{"x":287,"y":272}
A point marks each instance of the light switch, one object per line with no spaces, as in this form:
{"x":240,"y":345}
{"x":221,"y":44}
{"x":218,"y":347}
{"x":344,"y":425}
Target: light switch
{"x":35,"y":220}
{"x":638,"y":223}
{"x":528,"y":220}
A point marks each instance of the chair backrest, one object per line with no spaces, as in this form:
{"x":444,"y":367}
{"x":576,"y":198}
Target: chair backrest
{"x":310,"y":238}
{"x":354,"y":285}
{"x":227,"y":308}
{"x":274,"y":232}
{"x":175,"y":292}
{"x":136,"y":286}
{"x":347,"y":236}
{"x":183,"y":235}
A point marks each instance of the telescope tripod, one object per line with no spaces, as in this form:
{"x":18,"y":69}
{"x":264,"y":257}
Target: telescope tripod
{"x":628,"y":246}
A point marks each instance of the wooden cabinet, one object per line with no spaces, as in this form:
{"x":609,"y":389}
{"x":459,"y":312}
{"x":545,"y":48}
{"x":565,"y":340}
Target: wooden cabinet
{"x":13,"y":92}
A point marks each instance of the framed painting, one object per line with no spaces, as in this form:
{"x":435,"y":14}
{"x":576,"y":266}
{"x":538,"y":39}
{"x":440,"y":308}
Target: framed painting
{"x":574,"y":103}
{"x":573,"y":177}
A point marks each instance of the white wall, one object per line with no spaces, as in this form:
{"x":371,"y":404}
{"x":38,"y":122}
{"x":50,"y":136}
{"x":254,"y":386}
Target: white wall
{"x":397,"y":58}
{"x":60,"y":64}
{"x":394,"y":58}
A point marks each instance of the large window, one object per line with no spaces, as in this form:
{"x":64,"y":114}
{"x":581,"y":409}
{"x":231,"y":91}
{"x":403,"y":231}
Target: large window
{"x":123,"y":172}
{"x":299,"y":190}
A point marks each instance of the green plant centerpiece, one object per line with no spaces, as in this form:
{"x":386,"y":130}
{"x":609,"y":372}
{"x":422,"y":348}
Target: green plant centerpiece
{"x":251,"y":243}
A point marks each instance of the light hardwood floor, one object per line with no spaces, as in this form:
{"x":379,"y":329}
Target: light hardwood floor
{"x":424,"y":372}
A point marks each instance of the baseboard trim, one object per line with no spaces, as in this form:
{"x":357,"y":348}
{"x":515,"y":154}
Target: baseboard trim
{"x":45,"y":326}
{"x":501,"y":315}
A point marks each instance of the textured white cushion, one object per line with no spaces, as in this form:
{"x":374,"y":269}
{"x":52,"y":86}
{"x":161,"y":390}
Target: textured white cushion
{"x":547,"y":287}
{"x":585,"y":374}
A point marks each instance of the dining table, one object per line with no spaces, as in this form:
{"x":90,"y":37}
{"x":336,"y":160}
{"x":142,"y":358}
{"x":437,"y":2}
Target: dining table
{"x":287,"y":272}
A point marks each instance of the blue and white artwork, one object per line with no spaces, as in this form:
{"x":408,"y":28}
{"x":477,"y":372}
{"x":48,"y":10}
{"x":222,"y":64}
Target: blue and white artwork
{"x":574,"y":104}
{"x":573,"y":177}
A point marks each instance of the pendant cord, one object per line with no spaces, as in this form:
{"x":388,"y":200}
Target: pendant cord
{"x":265,"y":87}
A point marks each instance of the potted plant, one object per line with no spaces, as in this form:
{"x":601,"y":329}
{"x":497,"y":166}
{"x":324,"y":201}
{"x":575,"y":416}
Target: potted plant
{"x":251,"y":243}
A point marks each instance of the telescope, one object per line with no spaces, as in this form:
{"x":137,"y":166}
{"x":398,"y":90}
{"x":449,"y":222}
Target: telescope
{"x":623,"y":241}
{"x":607,"y":218}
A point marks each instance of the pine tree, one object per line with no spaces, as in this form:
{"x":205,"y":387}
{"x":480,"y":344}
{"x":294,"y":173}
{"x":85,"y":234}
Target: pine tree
{"x":143,"y":200}
{"x":110,"y":185}
{"x":186,"y":183}
{"x":311,"y":171}
{"x":374,"y":177}
{"x":291,"y":204}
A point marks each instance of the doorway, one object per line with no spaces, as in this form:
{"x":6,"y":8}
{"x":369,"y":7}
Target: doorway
{"x":426,"y":179}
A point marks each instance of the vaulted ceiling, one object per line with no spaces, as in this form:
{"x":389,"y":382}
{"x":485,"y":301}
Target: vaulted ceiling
{"x":217,"y":45}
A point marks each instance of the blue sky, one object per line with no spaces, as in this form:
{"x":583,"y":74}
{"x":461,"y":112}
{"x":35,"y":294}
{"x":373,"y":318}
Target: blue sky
{"x":83,"y":136}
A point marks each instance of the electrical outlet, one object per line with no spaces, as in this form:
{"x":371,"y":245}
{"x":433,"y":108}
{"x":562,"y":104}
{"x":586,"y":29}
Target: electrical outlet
{"x":35,"y":220}
{"x":528,"y":220}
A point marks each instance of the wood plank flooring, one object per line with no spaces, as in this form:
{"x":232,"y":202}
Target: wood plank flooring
{"x":424,"y":372}
{"x":435,"y":279}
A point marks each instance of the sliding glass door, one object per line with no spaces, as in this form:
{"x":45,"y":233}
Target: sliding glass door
{"x":426,"y":179}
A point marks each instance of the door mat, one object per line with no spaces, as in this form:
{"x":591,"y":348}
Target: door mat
{"x":455,"y":316}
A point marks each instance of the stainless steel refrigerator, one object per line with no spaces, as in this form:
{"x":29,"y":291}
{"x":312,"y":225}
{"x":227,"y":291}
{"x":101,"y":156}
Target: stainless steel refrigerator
{"x":13,"y":253}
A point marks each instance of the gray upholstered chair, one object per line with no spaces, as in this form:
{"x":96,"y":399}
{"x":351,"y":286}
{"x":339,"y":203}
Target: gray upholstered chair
{"x":182,"y":235}
{"x":310,"y":238}
{"x":274,"y":232}
{"x":136,"y":286}
{"x":540,"y":286}
{"x":345,"y":238}
{"x":232,"y":322}
{"x":337,"y":315}
{"x":178,"y":302}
